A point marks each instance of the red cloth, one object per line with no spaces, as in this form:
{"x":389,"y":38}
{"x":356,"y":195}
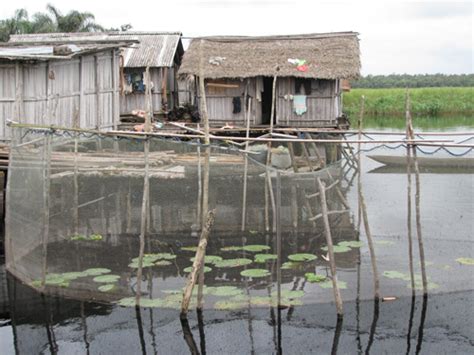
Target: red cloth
{"x":303,"y":67}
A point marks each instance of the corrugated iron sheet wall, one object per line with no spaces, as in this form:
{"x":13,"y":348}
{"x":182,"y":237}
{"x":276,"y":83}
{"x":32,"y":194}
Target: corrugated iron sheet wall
{"x":50,"y":93}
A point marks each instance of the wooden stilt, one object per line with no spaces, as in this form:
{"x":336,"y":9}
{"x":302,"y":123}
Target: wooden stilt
{"x":244,"y":197}
{"x":197,"y":264}
{"x":46,"y":200}
{"x":332,"y":261}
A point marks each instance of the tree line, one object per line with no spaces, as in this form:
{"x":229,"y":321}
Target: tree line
{"x":414,"y":81}
{"x":53,"y":20}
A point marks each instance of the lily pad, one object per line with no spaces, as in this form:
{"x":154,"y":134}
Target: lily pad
{"x":232,"y":262}
{"x":145,"y":263}
{"x":106,"y":278}
{"x":228,"y":305}
{"x":338,"y":248}
{"x":144,"y":302}
{"x":253,"y":232}
{"x":97,"y":271}
{"x":254,"y":273}
{"x":328,"y":284}
{"x":209,"y":259}
{"x":394,"y":275}
{"x":351,"y":243}
{"x":106,"y":288}
{"x":231,"y":248}
{"x":290,"y":265}
{"x":255,"y":248}
{"x":189,"y":249}
{"x":312,"y":277}
{"x":223,"y":291}
{"x":70,"y":276}
{"x":56,"y":280}
{"x":190,"y":268}
{"x":419,"y":285}
{"x":302,"y":257}
{"x":163,"y":263}
{"x":465,"y":261}
{"x":92,"y":237}
{"x":162,"y":256}
{"x":263,"y":258}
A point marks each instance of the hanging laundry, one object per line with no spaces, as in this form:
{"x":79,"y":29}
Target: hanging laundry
{"x":299,"y":104}
{"x":259,"y":89}
{"x":236,"y":102}
{"x":302,"y":68}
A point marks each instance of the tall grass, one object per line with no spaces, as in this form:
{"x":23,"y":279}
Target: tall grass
{"x":424,"y":101}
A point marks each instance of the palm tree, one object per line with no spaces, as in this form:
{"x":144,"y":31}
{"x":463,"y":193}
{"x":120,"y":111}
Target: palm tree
{"x":19,"y":23}
{"x":73,"y":21}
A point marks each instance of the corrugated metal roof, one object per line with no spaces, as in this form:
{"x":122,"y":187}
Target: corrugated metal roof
{"x":45,"y":52}
{"x":155,"y":49}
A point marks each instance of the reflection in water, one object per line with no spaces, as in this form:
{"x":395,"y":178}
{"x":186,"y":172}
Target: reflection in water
{"x":373,"y":326}
{"x":188,"y":336}
{"x":337,"y":335}
{"x":422,"y":323}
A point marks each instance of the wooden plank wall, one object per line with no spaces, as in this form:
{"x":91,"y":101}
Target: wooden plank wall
{"x":59,"y":92}
{"x":137,"y":101}
{"x":323,"y":105}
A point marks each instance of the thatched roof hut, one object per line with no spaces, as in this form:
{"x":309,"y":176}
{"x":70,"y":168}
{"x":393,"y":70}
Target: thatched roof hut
{"x":327,"y":55}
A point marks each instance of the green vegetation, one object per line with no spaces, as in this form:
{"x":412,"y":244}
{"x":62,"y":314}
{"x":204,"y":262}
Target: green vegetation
{"x":50,"y":21}
{"x":424,"y":101}
{"x":414,"y":81}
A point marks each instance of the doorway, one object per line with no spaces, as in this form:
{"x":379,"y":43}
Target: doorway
{"x":267,"y":100}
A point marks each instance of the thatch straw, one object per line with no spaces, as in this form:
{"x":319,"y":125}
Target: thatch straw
{"x":328,"y":56}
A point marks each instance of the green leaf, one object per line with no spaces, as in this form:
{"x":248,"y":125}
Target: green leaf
{"x":384,"y":242}
{"x":419,"y":285}
{"x":255,"y":273}
{"x":312,"y":277}
{"x":263,"y":258}
{"x":145,"y":263}
{"x":79,"y":237}
{"x":95,"y":237}
{"x":106,"y":288}
{"x":190,"y":268}
{"x":223,"y":291}
{"x":328,"y":284}
{"x":106,"y":278}
{"x":228,"y":305}
{"x":395,"y":275}
{"x":465,"y":261}
{"x":252,"y":232}
{"x":302,"y":257}
{"x":231,"y":248}
{"x":255,"y":248}
{"x":96,"y":271}
{"x":290,"y":265}
{"x":351,"y":243}
{"x":194,"y":249}
{"x":70,"y":276}
{"x":162,"y":256}
{"x":163,"y":263}
{"x":209,"y":259}
{"x":338,"y":248}
{"x":232,"y":262}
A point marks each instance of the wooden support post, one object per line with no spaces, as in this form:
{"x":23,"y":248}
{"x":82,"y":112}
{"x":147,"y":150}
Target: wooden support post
{"x":143,"y":222}
{"x":278,"y":234}
{"x":202,"y":89}
{"x":272,"y":114}
{"x":332,"y":261}
{"x":294,"y":206}
{"x":363,"y":213}
{"x":197,"y":264}
{"x":421,"y":248}
{"x":97,"y":93}
{"x":46,"y":200}
{"x":199,"y":201}
{"x":247,"y":134}
{"x":164,"y":89}
{"x":115,"y":90}
{"x":19,"y":106}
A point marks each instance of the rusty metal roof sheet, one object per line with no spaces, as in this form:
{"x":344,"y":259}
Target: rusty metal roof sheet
{"x":155,"y":49}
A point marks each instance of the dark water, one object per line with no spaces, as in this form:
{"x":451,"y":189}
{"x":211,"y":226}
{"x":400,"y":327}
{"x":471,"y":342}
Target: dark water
{"x":440,"y":323}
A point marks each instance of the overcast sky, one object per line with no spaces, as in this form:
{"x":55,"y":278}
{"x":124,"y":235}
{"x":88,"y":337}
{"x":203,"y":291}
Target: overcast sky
{"x":395,"y":36}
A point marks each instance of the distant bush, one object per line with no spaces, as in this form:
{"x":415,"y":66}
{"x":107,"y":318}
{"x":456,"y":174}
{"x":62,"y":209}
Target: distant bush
{"x":414,"y":81}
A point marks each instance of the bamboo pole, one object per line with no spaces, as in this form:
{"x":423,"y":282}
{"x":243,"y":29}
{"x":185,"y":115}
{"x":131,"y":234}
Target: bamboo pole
{"x":409,"y":134}
{"x":244,"y":197}
{"x":363,"y":211}
{"x":198,"y":261}
{"x":421,"y":248}
{"x":46,"y":199}
{"x":332,"y":261}
{"x":202,"y":89}
{"x":278,"y":234}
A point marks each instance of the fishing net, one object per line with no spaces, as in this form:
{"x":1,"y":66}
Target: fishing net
{"x":75,"y":211}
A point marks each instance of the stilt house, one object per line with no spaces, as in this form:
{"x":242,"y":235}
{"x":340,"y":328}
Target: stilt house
{"x":161,"y":51}
{"x":301,"y":73}
{"x":68,"y":85}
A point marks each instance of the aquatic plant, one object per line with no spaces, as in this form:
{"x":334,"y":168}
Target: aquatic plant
{"x":465,"y":261}
{"x":96,"y":271}
{"x":163,"y":263}
{"x":302,"y":257}
{"x":223,"y":291}
{"x":384,"y":242}
{"x":92,"y":237}
{"x":255,"y":248}
{"x":194,"y":249}
{"x":351,"y":243}
{"x":70,"y":276}
{"x":312,"y":277}
{"x":231,"y":248}
{"x":255,"y":273}
{"x":290,"y":294}
{"x":328,"y":284}
{"x":190,"y":268}
{"x":394,"y":275}
{"x":290,"y":265}
{"x":209,"y":259}
{"x":263,"y":258}
{"x":338,"y":248}
{"x":106,"y":278}
{"x":226,"y":305}
{"x":106,"y":288}
{"x":232,"y":262}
